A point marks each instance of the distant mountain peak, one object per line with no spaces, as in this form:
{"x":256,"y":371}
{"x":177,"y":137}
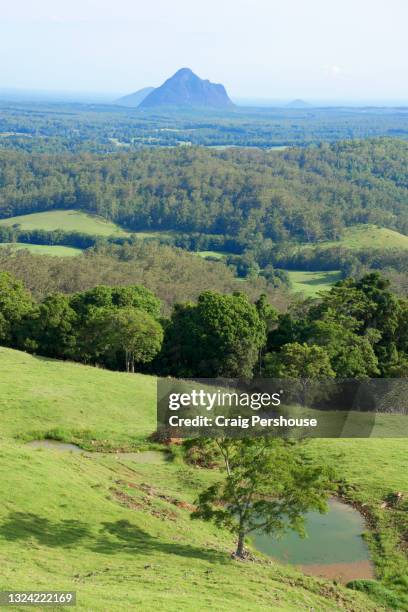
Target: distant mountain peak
{"x":186,"y":71}
{"x":185,"y":89}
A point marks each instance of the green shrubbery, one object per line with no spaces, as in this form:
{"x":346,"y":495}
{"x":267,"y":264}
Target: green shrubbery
{"x":381,"y":594}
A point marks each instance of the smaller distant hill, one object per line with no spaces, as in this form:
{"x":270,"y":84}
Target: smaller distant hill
{"x":133,"y":100}
{"x":186,"y":90}
{"x":298,"y":104}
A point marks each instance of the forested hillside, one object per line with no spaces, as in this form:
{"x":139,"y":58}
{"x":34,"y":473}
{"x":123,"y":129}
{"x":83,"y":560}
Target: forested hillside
{"x":173,"y":274}
{"x":251,"y":196}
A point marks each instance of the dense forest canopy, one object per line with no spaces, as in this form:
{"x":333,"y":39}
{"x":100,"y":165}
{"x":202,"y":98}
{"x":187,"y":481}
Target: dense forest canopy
{"x":303,"y":195}
{"x":173,"y":274}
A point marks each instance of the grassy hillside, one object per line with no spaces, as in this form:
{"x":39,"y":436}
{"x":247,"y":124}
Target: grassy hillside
{"x":310,"y":283}
{"x":105,"y":520}
{"x":370,"y":236}
{"x":43,"y":249}
{"x":119,"y":533}
{"x":115,"y":529}
{"x":74,"y":402}
{"x":67,"y":220}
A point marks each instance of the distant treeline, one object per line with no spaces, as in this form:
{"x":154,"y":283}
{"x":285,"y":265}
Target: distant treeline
{"x":271,"y":264}
{"x":79,"y":240}
{"x":339,"y":258}
{"x":60,"y":128}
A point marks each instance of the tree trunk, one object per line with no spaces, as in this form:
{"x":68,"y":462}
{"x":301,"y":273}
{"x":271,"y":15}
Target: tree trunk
{"x":240,"y":546}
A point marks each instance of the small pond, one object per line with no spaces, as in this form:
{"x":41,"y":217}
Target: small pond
{"x":151,"y":457}
{"x":334,"y":547}
{"x":144,"y":457}
{"x":55,"y":445}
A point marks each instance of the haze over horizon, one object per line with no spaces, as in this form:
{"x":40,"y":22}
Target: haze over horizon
{"x":258,"y":49}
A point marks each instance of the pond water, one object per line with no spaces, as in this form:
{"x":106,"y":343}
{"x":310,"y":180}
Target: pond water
{"x":151,"y":457}
{"x":334,"y":547}
{"x":55,"y":445}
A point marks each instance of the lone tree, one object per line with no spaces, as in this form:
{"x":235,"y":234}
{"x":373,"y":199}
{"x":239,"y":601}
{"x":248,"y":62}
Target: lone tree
{"x":268,"y":486}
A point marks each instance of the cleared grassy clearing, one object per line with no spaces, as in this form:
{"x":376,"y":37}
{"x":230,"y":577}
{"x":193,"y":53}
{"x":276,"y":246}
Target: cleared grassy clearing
{"x":67,"y":220}
{"x":144,"y":235}
{"x":212,"y":254}
{"x":310,"y":283}
{"x":370,"y":236}
{"x":43,"y":249}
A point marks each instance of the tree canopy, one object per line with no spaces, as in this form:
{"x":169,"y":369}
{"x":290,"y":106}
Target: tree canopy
{"x":221,"y":335}
{"x":245,"y":196}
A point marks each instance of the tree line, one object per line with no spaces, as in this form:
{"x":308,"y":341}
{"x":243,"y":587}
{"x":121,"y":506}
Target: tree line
{"x":63,"y":128}
{"x":358,"y":329}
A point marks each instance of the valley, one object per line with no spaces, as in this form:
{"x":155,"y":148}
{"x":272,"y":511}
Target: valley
{"x":191,"y":261}
{"x":308,"y":283}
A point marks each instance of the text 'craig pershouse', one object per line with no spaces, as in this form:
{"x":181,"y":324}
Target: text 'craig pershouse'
{"x":288,"y":408}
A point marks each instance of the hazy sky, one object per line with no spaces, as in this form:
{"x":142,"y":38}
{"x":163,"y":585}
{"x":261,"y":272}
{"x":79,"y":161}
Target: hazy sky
{"x":313,"y":49}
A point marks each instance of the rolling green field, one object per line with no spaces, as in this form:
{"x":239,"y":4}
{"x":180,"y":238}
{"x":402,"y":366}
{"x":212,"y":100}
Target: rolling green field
{"x":310,"y":283}
{"x":43,"y":249}
{"x":77,"y":221}
{"x":51,"y":394}
{"x":370,"y":236}
{"x":118,"y":530}
{"x":67,"y":220}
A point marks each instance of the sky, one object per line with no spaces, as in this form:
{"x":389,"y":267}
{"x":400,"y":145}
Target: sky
{"x":271,"y":49}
